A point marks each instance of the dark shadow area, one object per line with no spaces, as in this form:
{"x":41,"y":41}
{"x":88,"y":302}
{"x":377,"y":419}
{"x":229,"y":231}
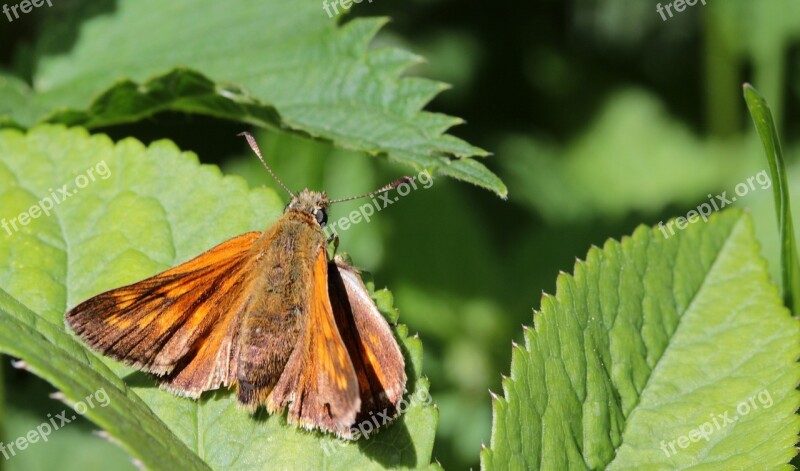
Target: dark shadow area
{"x":401,"y":451}
{"x":212,"y":139}
{"x":140,"y":379}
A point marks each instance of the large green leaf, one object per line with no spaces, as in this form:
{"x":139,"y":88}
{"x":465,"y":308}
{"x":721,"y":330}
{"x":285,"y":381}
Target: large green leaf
{"x":651,"y":339}
{"x":323,"y":79}
{"x":155,"y":208}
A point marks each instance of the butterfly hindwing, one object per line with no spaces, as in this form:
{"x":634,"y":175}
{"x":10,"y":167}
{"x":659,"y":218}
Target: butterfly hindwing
{"x":181,"y":323}
{"x":378,"y":359}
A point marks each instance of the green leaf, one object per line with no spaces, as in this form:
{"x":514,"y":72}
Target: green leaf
{"x":651,"y":339}
{"x":145,"y":210}
{"x":324,"y":79}
{"x":790,"y":267}
{"x":179,"y":90}
{"x":51,"y":353}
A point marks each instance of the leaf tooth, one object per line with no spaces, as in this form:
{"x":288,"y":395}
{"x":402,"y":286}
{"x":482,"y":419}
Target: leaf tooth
{"x":19,"y":364}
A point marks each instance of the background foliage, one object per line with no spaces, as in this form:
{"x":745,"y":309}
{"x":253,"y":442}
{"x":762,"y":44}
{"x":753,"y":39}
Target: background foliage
{"x":600,"y":116}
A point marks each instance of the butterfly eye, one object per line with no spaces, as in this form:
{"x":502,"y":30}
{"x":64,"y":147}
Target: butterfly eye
{"x":321,"y":215}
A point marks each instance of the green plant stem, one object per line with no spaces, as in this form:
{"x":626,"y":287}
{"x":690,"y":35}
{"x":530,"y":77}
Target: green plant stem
{"x":721,"y":72}
{"x":765,"y":125}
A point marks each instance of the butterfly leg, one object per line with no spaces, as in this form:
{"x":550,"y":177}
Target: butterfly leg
{"x":333,"y":240}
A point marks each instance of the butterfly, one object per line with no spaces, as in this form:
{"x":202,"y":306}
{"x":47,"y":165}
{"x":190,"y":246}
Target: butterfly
{"x":268,"y":314}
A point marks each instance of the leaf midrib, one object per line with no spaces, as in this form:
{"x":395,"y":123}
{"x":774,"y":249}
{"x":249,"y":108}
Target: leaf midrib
{"x":680,"y":323}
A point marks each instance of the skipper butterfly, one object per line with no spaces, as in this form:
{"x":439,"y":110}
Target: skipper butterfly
{"x":268,"y":314}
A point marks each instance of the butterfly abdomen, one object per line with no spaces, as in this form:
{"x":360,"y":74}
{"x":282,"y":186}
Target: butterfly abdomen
{"x":275,"y":319}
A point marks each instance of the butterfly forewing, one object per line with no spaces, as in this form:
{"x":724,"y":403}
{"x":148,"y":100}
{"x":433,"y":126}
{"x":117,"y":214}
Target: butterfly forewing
{"x":180,"y":322}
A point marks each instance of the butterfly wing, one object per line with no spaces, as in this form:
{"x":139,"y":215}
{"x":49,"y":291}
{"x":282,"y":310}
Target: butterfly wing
{"x":377,"y":357}
{"x":319,"y":384}
{"x":181,"y":323}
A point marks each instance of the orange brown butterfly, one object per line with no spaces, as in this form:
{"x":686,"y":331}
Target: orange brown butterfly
{"x":266,"y":313}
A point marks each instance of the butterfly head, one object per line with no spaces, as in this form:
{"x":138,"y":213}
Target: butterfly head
{"x":311,"y":202}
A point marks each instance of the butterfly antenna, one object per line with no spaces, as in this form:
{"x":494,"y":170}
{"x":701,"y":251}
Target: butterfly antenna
{"x":384,"y":189}
{"x":254,"y":146}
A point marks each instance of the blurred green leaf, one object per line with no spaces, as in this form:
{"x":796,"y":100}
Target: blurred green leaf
{"x":323,"y":79}
{"x":647,"y":342}
{"x":634,"y":158}
{"x":133,"y":220}
{"x":790,"y":268}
